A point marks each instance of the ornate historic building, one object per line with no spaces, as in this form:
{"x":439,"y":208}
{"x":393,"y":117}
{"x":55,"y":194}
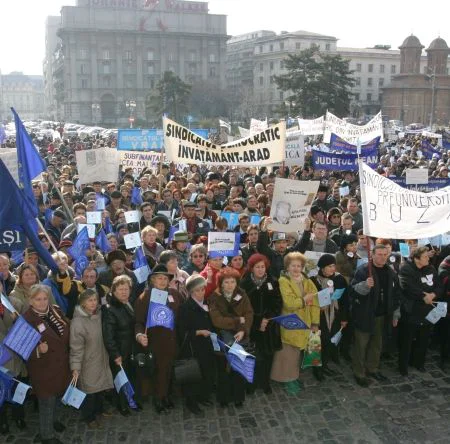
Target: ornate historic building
{"x":414,"y":96}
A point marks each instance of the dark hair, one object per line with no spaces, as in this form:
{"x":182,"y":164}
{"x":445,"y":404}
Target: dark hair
{"x":418,"y":252}
{"x":166,"y":256}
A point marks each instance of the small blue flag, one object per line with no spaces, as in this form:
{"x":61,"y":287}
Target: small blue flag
{"x":5,"y":355}
{"x":136,"y":198}
{"x":48,"y":213}
{"x":102,"y":242}
{"x":337,"y":294}
{"x":108,"y":226}
{"x":291,"y":322}
{"x":6,"y":384}
{"x":140,"y":259}
{"x":160,"y":316}
{"x":80,"y":244}
{"x":128,"y":391}
{"x":2,"y":134}
{"x":245,"y":367}
{"x":428,"y":150}
{"x":172,"y":231}
{"x":81,"y":263}
{"x":22,"y":338}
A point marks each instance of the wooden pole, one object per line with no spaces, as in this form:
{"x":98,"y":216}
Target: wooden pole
{"x":46,"y":234}
{"x":369,"y":256}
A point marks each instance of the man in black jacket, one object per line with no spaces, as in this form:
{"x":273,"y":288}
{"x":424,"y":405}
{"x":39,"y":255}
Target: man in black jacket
{"x":421,"y":288}
{"x":375,"y":306}
{"x":443,"y":325}
{"x":320,"y":242}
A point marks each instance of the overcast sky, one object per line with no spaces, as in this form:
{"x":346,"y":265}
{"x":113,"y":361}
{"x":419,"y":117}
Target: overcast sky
{"x":354,"y":23}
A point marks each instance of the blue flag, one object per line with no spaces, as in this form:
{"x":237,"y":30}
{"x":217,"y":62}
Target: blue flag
{"x":101,"y":242}
{"x":343,"y":162}
{"x":29,"y":161}
{"x":22,"y":338}
{"x":5,"y":355}
{"x":339,"y":144}
{"x":136,"y":198}
{"x":128,"y":391}
{"x":140,"y":260}
{"x":108,"y":226}
{"x":291,"y":322}
{"x":428,"y":150}
{"x":16,"y":210}
{"x":2,"y":134}
{"x":80,"y":244}
{"x":245,"y":367}
{"x":48,"y":213}
{"x":6,"y":384}
{"x":446,"y":140}
{"x":160,"y":315}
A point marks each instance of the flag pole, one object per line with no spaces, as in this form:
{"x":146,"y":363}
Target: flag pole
{"x":46,"y":234}
{"x":64,"y":204}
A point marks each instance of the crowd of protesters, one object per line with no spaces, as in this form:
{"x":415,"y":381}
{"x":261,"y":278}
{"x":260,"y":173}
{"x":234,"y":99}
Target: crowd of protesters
{"x":95,"y":324}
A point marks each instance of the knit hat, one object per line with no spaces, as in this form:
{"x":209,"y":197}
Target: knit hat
{"x":325,"y":260}
{"x":195,"y":281}
{"x":348,"y":239}
{"x":180,"y":236}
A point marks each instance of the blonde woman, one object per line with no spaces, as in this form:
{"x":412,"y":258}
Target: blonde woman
{"x":151,"y":248}
{"x":299,"y":295}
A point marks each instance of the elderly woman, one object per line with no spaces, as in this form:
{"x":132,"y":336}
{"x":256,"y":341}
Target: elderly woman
{"x":89,"y":360}
{"x":161,"y":340}
{"x":27,"y":276}
{"x":265,"y":298}
{"x":118,"y":333}
{"x":232,"y":315}
{"x":48,"y":365}
{"x":152,"y":249}
{"x":197,"y":259}
{"x":333,"y":317}
{"x":15,"y":365}
{"x":179,"y":246}
{"x":8,"y":279}
{"x":195,"y":327}
{"x":299,"y":295}
{"x":170,"y":260}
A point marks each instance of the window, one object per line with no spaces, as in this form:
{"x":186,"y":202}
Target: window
{"x":369,"y":81}
{"x":212,"y":58}
{"x":297,"y":45}
{"x":150,"y":54}
{"x":327,"y":47}
{"x":260,"y":48}
{"x":357,"y":81}
{"x":358,"y":67}
{"x":150,"y":69}
{"x":282,"y":64}
{"x":357,"y":97}
{"x":393,"y":69}
{"x":212,"y":71}
{"x":106,"y":68}
{"x":281,"y":46}
{"x":84,"y":83}
{"x":83,"y":53}
{"x":271,"y":48}
{"x":381,"y":69}
{"x":271,"y":66}
{"x":380,"y":81}
{"x":281,"y":95}
{"x":261,"y":66}
{"x":192,"y":56}
{"x":107,"y":82}
{"x":370,"y":67}
{"x":261,"y":80}
{"x":106,"y":54}
{"x":83,"y":68}
{"x":369,"y":97}
{"x":128,"y":55}
{"x":171,"y":57}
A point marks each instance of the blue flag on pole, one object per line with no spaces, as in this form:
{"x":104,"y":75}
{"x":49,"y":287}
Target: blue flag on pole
{"x":245,"y":367}
{"x":16,"y":210}
{"x":2,"y":134}
{"x":80,"y":244}
{"x":6,"y":384}
{"x":160,"y":315}
{"x":140,"y":260}
{"x":48,"y":213}
{"x":291,"y":322}
{"x":108,"y":226}
{"x":339,"y":144}
{"x":101,"y":242}
{"x":428,"y":150}
{"x":29,"y":161}
{"x":22,"y":338}
{"x":136,"y":198}
{"x":446,"y":140}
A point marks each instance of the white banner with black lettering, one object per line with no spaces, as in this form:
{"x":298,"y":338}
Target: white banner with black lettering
{"x":353,"y":133}
{"x":391,"y":211}
{"x":98,"y":164}
{"x":264,"y":148}
{"x":311,"y":127}
{"x":291,"y":203}
{"x":139,"y":160}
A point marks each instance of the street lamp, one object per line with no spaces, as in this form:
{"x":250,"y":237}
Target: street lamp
{"x":432,"y":77}
{"x":95,"y":111}
{"x":131,"y":105}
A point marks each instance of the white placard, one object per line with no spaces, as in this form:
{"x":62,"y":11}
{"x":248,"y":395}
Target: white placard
{"x":94,"y":217}
{"x":324,"y":297}
{"x":164,"y":213}
{"x":311,"y":127}
{"x":142,"y":273}
{"x":132,"y":216}
{"x":221,"y":241}
{"x":132,"y":240}
{"x":417,"y":176}
{"x":97,"y":164}
{"x":90,"y":229}
{"x":159,"y":296}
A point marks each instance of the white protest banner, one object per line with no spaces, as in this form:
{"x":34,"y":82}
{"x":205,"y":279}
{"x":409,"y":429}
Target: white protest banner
{"x":295,"y":149}
{"x":311,"y":127}
{"x":223,"y":244}
{"x":98,"y":164}
{"x":9,"y":158}
{"x":243,"y":132}
{"x":140,"y":160}
{"x":291,"y":203}
{"x":391,"y":211}
{"x":352,"y":133}
{"x":184,"y":146}
{"x":417,"y":176}
{"x":257,"y":126}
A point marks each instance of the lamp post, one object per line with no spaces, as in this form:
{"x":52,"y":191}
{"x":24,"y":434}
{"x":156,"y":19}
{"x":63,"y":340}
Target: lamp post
{"x":432,"y":77}
{"x":95,"y":110}
{"x":131,"y":105}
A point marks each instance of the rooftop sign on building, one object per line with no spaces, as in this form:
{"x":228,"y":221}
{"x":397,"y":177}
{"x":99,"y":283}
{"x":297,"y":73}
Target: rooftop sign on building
{"x":160,"y":5}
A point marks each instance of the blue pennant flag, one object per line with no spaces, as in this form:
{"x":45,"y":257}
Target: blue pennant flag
{"x":80,"y":244}
{"x":81,"y":263}
{"x":16,"y":210}
{"x":48,"y":213}
{"x":128,"y":391}
{"x":136,"y":198}
{"x":29,"y":161}
{"x":172,"y":231}
{"x":339,"y":144}
{"x":22,"y":338}
{"x":291,"y":322}
{"x":446,"y":140}
{"x":108,"y":226}
{"x":428,"y":150}
{"x":140,"y":259}
{"x":245,"y":367}
{"x":5,"y":355}
{"x":160,"y":315}
{"x":6,"y":385}
{"x":102,"y":242}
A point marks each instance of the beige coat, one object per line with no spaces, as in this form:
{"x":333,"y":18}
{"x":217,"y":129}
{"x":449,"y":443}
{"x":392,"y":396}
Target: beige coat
{"x":15,"y":365}
{"x":87,"y":352}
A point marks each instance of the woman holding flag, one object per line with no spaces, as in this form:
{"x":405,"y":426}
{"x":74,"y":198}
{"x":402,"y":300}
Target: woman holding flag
{"x":156,"y":311}
{"x":299,"y":296}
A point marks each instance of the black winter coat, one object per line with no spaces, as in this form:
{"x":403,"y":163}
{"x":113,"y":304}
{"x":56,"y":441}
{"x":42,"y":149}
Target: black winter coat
{"x":267,"y":303}
{"x":363,"y":300}
{"x":118,"y":322}
{"x":414,"y":282}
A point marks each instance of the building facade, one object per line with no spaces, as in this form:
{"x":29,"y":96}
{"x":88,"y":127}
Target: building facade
{"x":112,"y":53}
{"x":23,"y":92}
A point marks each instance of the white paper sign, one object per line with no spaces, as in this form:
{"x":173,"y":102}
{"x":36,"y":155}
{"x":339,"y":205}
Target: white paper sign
{"x":90,"y":229}
{"x":182,"y":225}
{"x":417,"y":176}
{"x":441,"y":308}
{"x":391,"y":211}
{"x":292,"y":200}
{"x":132,"y":240}
{"x":142,"y":273}
{"x":164,"y":213}
{"x":94,"y":217}
{"x":20,"y":393}
{"x":9,"y":158}
{"x":433,"y":316}
{"x":132,"y":216}
{"x":311,"y":127}
{"x":324,"y":297}
{"x":97,"y":164}
{"x":220,"y":241}
{"x":159,"y":296}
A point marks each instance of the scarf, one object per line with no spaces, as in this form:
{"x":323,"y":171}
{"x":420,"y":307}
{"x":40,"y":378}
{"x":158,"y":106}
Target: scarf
{"x":227,"y":296}
{"x":53,"y":320}
{"x":258,"y":282}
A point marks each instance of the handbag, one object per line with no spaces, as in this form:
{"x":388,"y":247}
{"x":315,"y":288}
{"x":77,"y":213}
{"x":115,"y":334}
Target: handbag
{"x":187,"y":371}
{"x":144,"y":360}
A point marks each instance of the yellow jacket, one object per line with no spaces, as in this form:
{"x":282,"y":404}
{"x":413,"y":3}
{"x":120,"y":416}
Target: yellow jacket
{"x":293,"y":303}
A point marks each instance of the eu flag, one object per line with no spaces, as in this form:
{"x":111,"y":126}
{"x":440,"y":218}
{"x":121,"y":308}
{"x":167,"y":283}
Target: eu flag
{"x":160,"y":315}
{"x":136,"y":198}
{"x":29,"y":161}
{"x":140,"y":259}
{"x":101,"y":242}
{"x":108,"y":226}
{"x":291,"y":322}
{"x":80,"y":244}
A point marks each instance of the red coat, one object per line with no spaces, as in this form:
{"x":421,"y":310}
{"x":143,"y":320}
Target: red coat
{"x":210,"y":286}
{"x":49,"y":372}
